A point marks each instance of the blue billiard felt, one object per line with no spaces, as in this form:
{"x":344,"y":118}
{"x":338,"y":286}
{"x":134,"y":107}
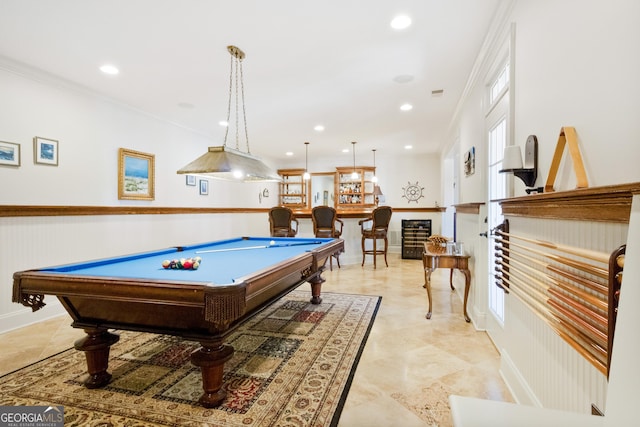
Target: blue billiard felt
{"x":216,"y":267}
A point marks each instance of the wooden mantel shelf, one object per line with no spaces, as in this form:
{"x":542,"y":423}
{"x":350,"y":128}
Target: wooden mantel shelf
{"x":469,"y":208}
{"x":610,"y":203}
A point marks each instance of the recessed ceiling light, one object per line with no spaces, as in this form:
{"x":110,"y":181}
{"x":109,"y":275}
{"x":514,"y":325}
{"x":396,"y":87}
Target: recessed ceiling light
{"x":109,"y":69}
{"x":223,"y":123}
{"x":289,"y":153}
{"x":403,"y":78}
{"x":318,"y":128}
{"x":345,"y":150}
{"x":406,"y":107}
{"x":408,"y":147}
{"x":400,"y":22}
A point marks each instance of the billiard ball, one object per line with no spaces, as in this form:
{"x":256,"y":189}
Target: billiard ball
{"x":271,"y":243}
{"x":187,"y":264}
{"x":195,"y":265}
{"x":166,"y":263}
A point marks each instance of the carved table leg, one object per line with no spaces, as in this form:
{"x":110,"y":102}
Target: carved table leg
{"x":451,"y":279}
{"x":210,"y":358}
{"x":427,"y":285}
{"x":316,"y":287}
{"x":96,"y":347}
{"x":467,"y":285}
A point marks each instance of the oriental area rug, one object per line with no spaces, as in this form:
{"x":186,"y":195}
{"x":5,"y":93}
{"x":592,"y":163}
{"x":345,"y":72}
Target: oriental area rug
{"x":293,"y":365}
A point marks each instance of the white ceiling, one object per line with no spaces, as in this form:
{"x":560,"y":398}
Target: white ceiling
{"x":330,"y":62}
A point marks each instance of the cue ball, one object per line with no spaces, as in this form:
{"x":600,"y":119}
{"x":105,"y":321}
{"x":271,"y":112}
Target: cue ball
{"x":273,"y":242}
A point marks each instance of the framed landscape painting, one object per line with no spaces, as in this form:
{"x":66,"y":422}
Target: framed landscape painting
{"x":9,"y":154}
{"x":45,"y":151}
{"x":204,"y":187}
{"x":136,"y":175}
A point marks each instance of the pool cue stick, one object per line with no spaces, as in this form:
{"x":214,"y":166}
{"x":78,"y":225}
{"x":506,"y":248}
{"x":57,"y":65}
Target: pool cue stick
{"x":594,"y":286}
{"x":592,"y":255}
{"x":601,"y":304}
{"x":590,"y":351}
{"x":513,"y":262}
{"x":591,"y":317}
{"x":573,"y":299}
{"x":281,"y":245}
{"x":585,"y":328}
{"x":517,"y":280}
{"x":567,"y":332}
{"x":576,"y":294}
{"x":231,"y":249}
{"x":591,"y":284}
{"x":539,"y":309}
{"x":587,"y":268}
{"x":515,"y":269}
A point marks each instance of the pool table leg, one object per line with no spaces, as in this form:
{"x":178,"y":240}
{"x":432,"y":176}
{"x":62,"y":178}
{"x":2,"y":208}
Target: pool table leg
{"x":316,"y":287}
{"x":210,"y":358}
{"x":96,"y":347}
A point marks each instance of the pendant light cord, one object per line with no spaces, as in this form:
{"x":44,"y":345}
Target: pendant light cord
{"x":236,"y":59}
{"x":354,"y":156}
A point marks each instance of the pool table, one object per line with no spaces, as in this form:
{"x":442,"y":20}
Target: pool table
{"x":236,"y":278}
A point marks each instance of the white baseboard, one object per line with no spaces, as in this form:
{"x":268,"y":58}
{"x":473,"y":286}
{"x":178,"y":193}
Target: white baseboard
{"x":24,"y":317}
{"x":479,"y":318}
{"x":516,"y":383}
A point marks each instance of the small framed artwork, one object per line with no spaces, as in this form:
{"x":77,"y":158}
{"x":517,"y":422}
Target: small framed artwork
{"x":9,"y":154}
{"x":136,"y":175}
{"x":45,"y":151}
{"x":204,"y":187}
{"x":470,"y":162}
{"x":191,"y":180}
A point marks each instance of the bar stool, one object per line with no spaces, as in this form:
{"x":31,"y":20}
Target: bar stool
{"x":380,"y":218}
{"x":325,"y":219}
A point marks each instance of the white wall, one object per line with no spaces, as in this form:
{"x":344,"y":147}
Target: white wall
{"x":576,"y":64}
{"x":90,"y":130}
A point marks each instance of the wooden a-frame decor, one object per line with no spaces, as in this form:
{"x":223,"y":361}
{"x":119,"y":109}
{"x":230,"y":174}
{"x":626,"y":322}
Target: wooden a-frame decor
{"x":567,"y":137}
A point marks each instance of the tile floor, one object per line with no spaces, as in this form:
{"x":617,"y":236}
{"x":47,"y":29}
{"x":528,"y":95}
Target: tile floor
{"x":408,"y":368}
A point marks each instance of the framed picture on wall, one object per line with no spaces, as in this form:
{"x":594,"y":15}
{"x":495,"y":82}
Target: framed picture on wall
{"x":136,"y":175}
{"x":470,"y":162}
{"x":9,"y":154}
{"x":45,"y":151}
{"x":204,"y":187}
{"x":191,"y":180}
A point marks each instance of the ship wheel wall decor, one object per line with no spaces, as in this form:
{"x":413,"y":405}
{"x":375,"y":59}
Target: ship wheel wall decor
{"x":412,"y":192}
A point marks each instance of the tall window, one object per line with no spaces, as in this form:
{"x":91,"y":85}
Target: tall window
{"x":497,"y":190}
{"x":500,"y":85}
{"x":497,"y":122}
